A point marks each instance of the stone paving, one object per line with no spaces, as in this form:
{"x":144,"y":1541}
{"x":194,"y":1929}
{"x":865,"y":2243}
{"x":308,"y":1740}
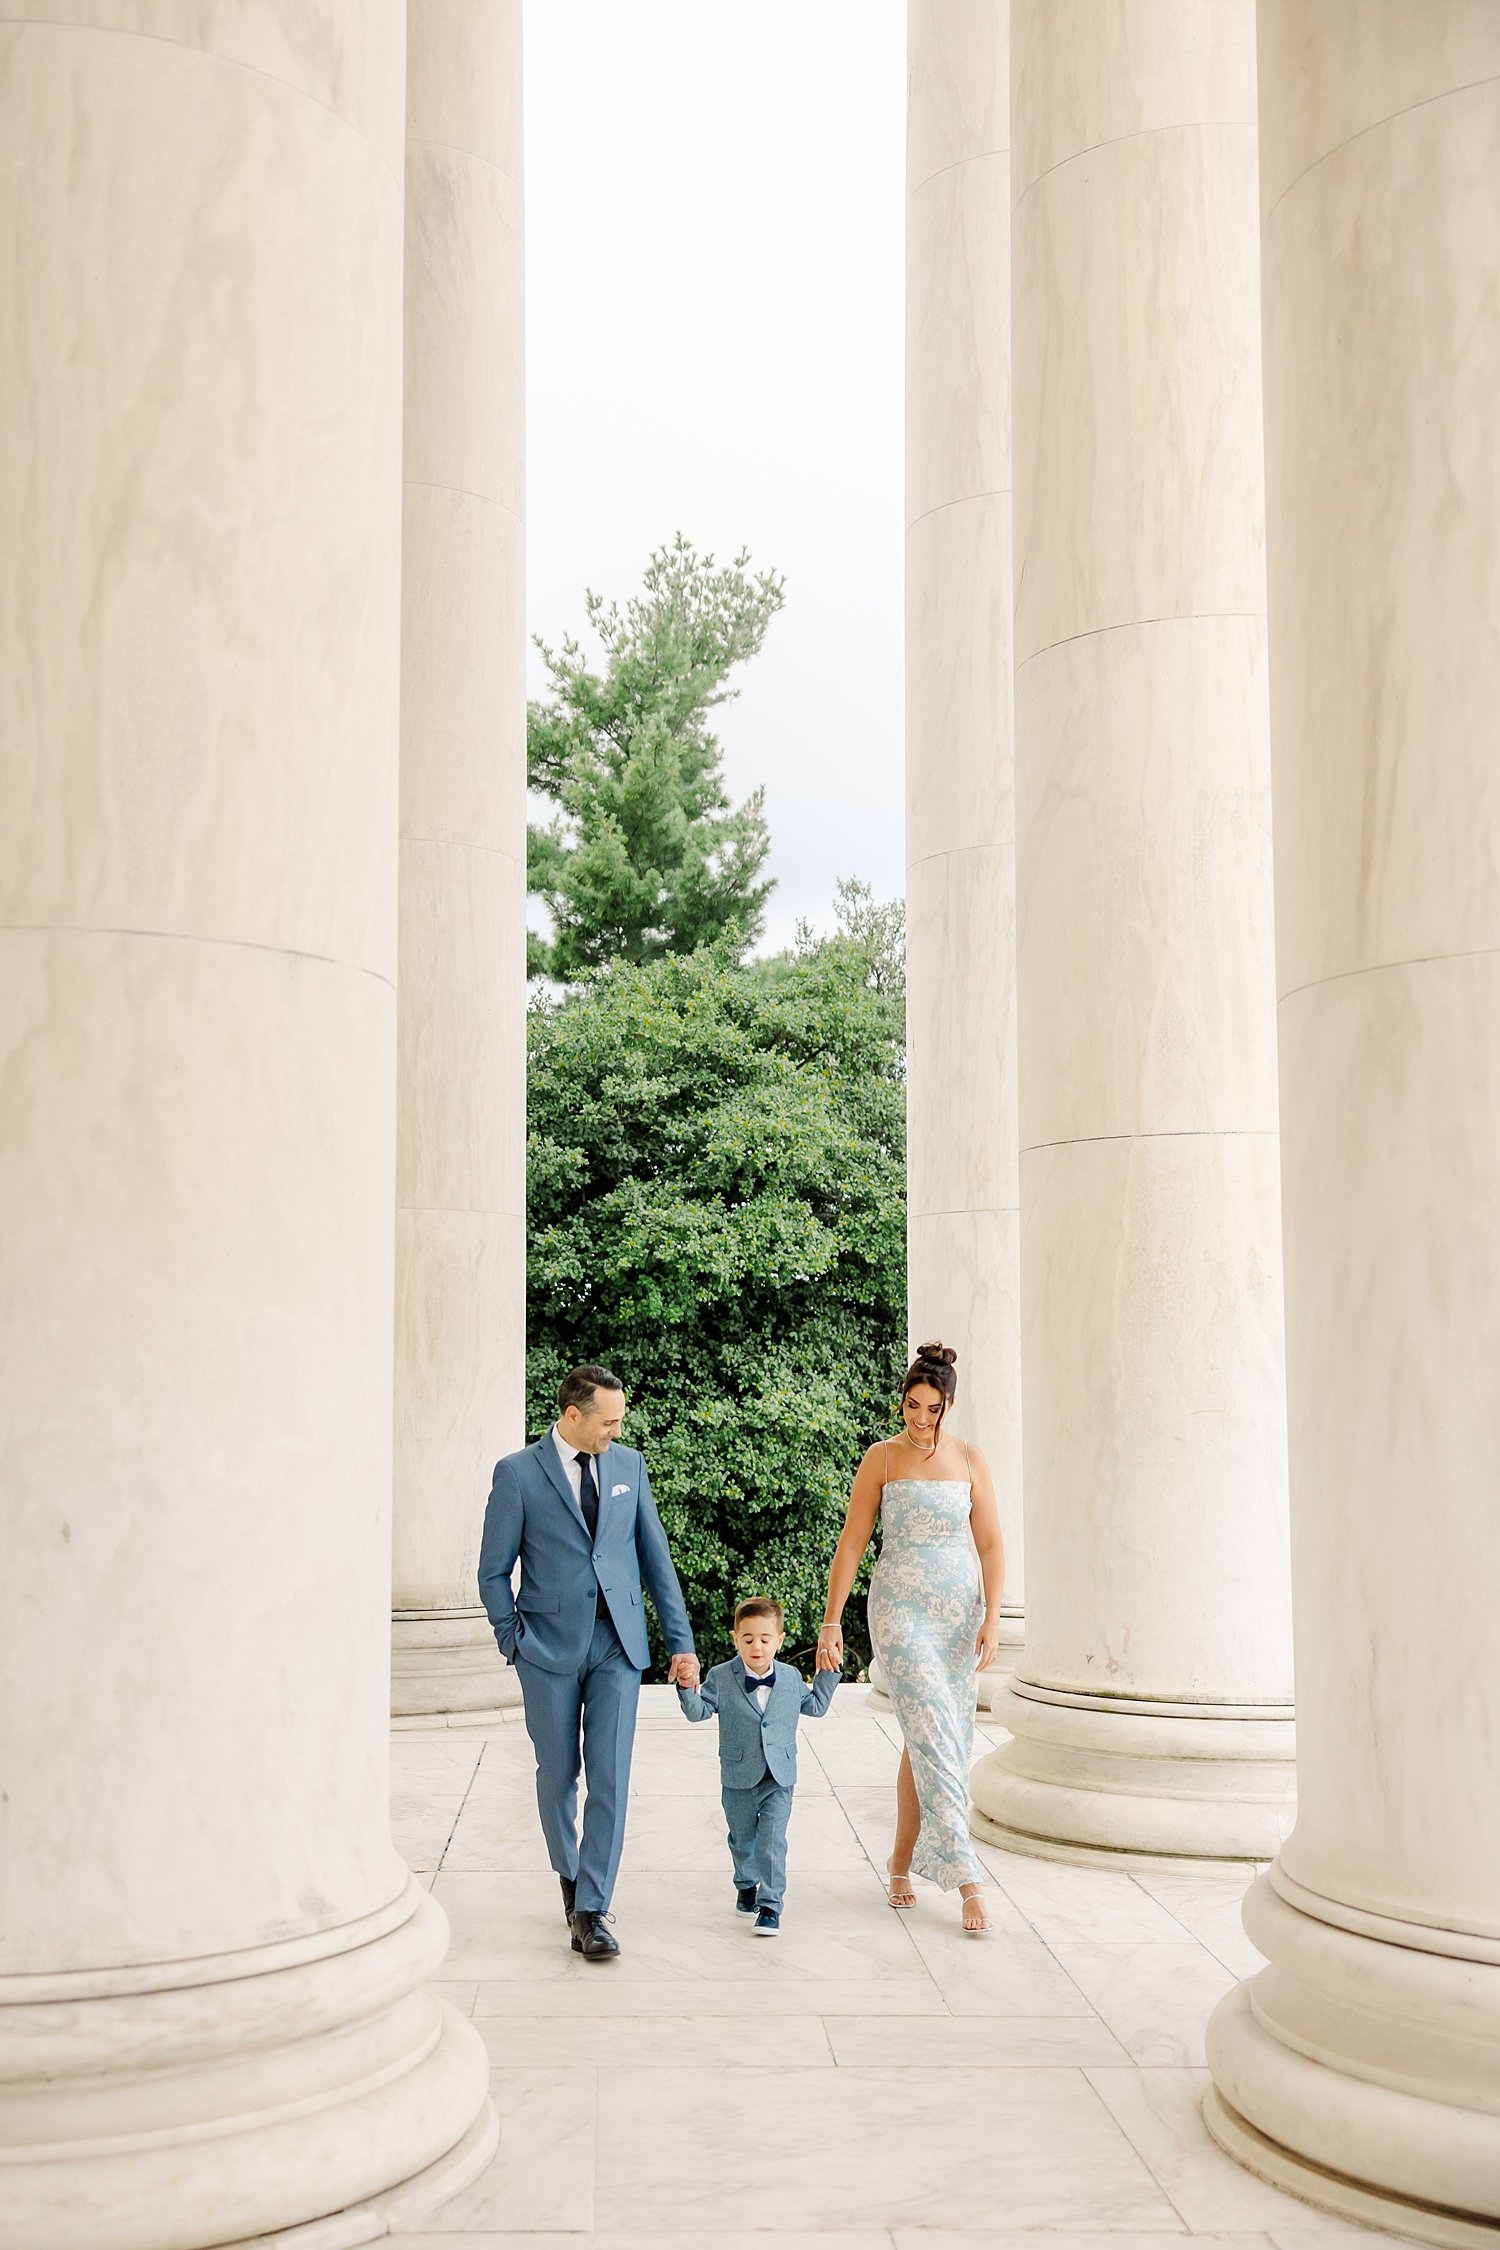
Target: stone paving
{"x":868,"y":2081}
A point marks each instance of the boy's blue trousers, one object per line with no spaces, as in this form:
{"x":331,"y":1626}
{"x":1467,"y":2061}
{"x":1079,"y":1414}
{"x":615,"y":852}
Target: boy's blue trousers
{"x":757,"y":1838}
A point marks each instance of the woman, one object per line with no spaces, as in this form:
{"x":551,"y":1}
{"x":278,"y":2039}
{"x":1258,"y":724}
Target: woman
{"x":932,"y":1630}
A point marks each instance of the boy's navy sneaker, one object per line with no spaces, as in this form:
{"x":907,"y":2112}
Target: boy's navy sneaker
{"x":744,"y":1898}
{"x":767,"y":1923}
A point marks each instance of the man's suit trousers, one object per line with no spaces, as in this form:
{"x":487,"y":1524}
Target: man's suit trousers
{"x":585,"y":1717}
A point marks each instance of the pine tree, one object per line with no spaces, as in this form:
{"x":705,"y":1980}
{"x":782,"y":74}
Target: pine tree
{"x":645,"y":855}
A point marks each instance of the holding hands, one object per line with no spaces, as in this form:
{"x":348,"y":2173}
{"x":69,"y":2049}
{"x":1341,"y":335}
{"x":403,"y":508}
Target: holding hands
{"x":830,"y":1657}
{"x":684,"y":1671}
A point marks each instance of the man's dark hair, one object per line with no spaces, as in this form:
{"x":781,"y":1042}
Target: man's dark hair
{"x":759,"y":1605}
{"x":578,"y":1388}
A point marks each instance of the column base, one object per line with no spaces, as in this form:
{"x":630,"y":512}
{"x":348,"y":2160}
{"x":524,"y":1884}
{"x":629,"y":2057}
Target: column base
{"x":991,"y":1680}
{"x":1361,"y":2069}
{"x":390,"y":2213}
{"x":444,"y":1663}
{"x":305,"y":2093}
{"x":1109,"y":1781}
{"x":1330,"y":2191}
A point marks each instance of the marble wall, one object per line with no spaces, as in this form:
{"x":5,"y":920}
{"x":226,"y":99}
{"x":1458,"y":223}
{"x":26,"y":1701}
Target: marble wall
{"x":963,"y":1220}
{"x":1361,"y":2067}
{"x":461,"y":1116}
{"x":1152,"y":1706}
{"x":208,"y":1948}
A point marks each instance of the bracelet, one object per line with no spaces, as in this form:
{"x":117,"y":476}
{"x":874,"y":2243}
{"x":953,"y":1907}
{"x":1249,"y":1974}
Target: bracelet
{"x":832,"y":1625}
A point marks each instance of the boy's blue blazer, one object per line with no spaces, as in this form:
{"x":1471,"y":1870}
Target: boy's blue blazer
{"x":751,"y":1745}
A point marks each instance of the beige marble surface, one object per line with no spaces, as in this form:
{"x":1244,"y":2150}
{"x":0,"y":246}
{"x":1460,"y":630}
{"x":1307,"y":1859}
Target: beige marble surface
{"x":958,"y":683}
{"x":342,"y":55}
{"x":460,"y":1191}
{"x":911,"y":2087}
{"x":1151,"y":1394}
{"x":958,"y":66}
{"x":960,"y":834}
{"x":198,"y":555}
{"x":1138,"y":483}
{"x":961,"y":1033}
{"x":1334,"y":73}
{"x":199,"y":581}
{"x":1095,"y":75}
{"x":1145,"y":876}
{"x":229,"y":1257}
{"x":1360,"y":2066}
{"x":213,"y":2021}
{"x":1152,"y":1398}
{"x":1387,"y":842}
{"x":958,"y":326}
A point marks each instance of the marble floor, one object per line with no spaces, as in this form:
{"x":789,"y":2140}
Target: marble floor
{"x":869,"y":2081}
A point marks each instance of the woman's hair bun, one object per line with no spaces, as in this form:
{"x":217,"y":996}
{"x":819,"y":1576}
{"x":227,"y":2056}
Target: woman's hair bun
{"x":941,"y":1355}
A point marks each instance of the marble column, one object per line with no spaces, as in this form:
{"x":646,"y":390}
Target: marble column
{"x":213,"y":2021}
{"x":1152,"y":1709}
{"x":963,"y":1222}
{"x":461,"y":1103}
{"x":1362,"y":2068}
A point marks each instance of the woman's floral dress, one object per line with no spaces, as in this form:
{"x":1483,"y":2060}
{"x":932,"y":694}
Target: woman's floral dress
{"x":926,"y":1606}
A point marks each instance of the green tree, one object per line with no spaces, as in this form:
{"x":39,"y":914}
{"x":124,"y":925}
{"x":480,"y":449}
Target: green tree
{"x":645,"y":855}
{"x":717,"y":1208}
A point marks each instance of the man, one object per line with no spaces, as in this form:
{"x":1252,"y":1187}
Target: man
{"x":576,"y":1510}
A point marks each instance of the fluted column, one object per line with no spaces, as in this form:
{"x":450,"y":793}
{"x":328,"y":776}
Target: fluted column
{"x":461,"y":1110}
{"x":1362,"y":2068}
{"x":212,"y":2017}
{"x":1152,"y":1708}
{"x":962,"y":1191}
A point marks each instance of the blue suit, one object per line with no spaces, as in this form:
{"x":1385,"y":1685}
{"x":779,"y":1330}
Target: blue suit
{"x":576,"y":1633}
{"x":758,"y":1764}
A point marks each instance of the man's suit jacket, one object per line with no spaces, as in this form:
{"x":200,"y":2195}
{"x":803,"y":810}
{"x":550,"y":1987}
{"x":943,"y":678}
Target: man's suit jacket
{"x":753,"y":1743}
{"x":533,"y":1517}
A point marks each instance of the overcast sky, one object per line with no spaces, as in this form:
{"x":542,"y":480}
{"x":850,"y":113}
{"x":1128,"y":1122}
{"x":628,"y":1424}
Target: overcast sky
{"x":714,"y":250}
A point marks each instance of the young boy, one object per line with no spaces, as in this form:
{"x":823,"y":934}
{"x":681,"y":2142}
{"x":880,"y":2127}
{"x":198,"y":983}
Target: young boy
{"x":758,"y":1703}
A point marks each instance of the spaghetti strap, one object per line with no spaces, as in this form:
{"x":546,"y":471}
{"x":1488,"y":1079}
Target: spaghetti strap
{"x":968,"y":1461}
{"x":886,"y":1448}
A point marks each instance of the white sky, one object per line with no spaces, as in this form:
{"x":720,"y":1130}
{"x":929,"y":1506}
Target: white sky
{"x":714,"y":245}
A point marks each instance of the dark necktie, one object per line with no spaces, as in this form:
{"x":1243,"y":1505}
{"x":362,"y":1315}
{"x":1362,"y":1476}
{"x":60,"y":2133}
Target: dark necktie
{"x":588,"y":1492}
{"x":588,"y":1500}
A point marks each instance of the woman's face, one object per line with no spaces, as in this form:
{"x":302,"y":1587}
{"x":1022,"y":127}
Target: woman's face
{"x":921,"y":1410}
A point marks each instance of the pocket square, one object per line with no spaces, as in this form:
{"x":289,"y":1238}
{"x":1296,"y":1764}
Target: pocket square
{"x":616,"y":1489}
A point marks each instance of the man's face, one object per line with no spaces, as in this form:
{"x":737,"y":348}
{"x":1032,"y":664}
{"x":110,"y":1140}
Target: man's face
{"x":592,"y":1428}
{"x":757,"y":1639}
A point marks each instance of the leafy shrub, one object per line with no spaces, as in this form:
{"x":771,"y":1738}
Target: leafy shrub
{"x":716,"y":1191}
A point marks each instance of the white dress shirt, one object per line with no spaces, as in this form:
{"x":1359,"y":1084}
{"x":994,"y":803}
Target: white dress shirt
{"x":760,"y":1685}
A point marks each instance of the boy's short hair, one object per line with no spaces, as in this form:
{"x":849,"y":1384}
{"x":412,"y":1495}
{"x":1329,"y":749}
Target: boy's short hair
{"x":759,"y":1605}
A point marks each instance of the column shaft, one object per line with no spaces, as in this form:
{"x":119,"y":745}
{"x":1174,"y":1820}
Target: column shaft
{"x":1362,"y":2067}
{"x":461,"y":1105}
{"x":963,"y":1195}
{"x":212,"y":2021}
{"x":1152,"y":1708}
